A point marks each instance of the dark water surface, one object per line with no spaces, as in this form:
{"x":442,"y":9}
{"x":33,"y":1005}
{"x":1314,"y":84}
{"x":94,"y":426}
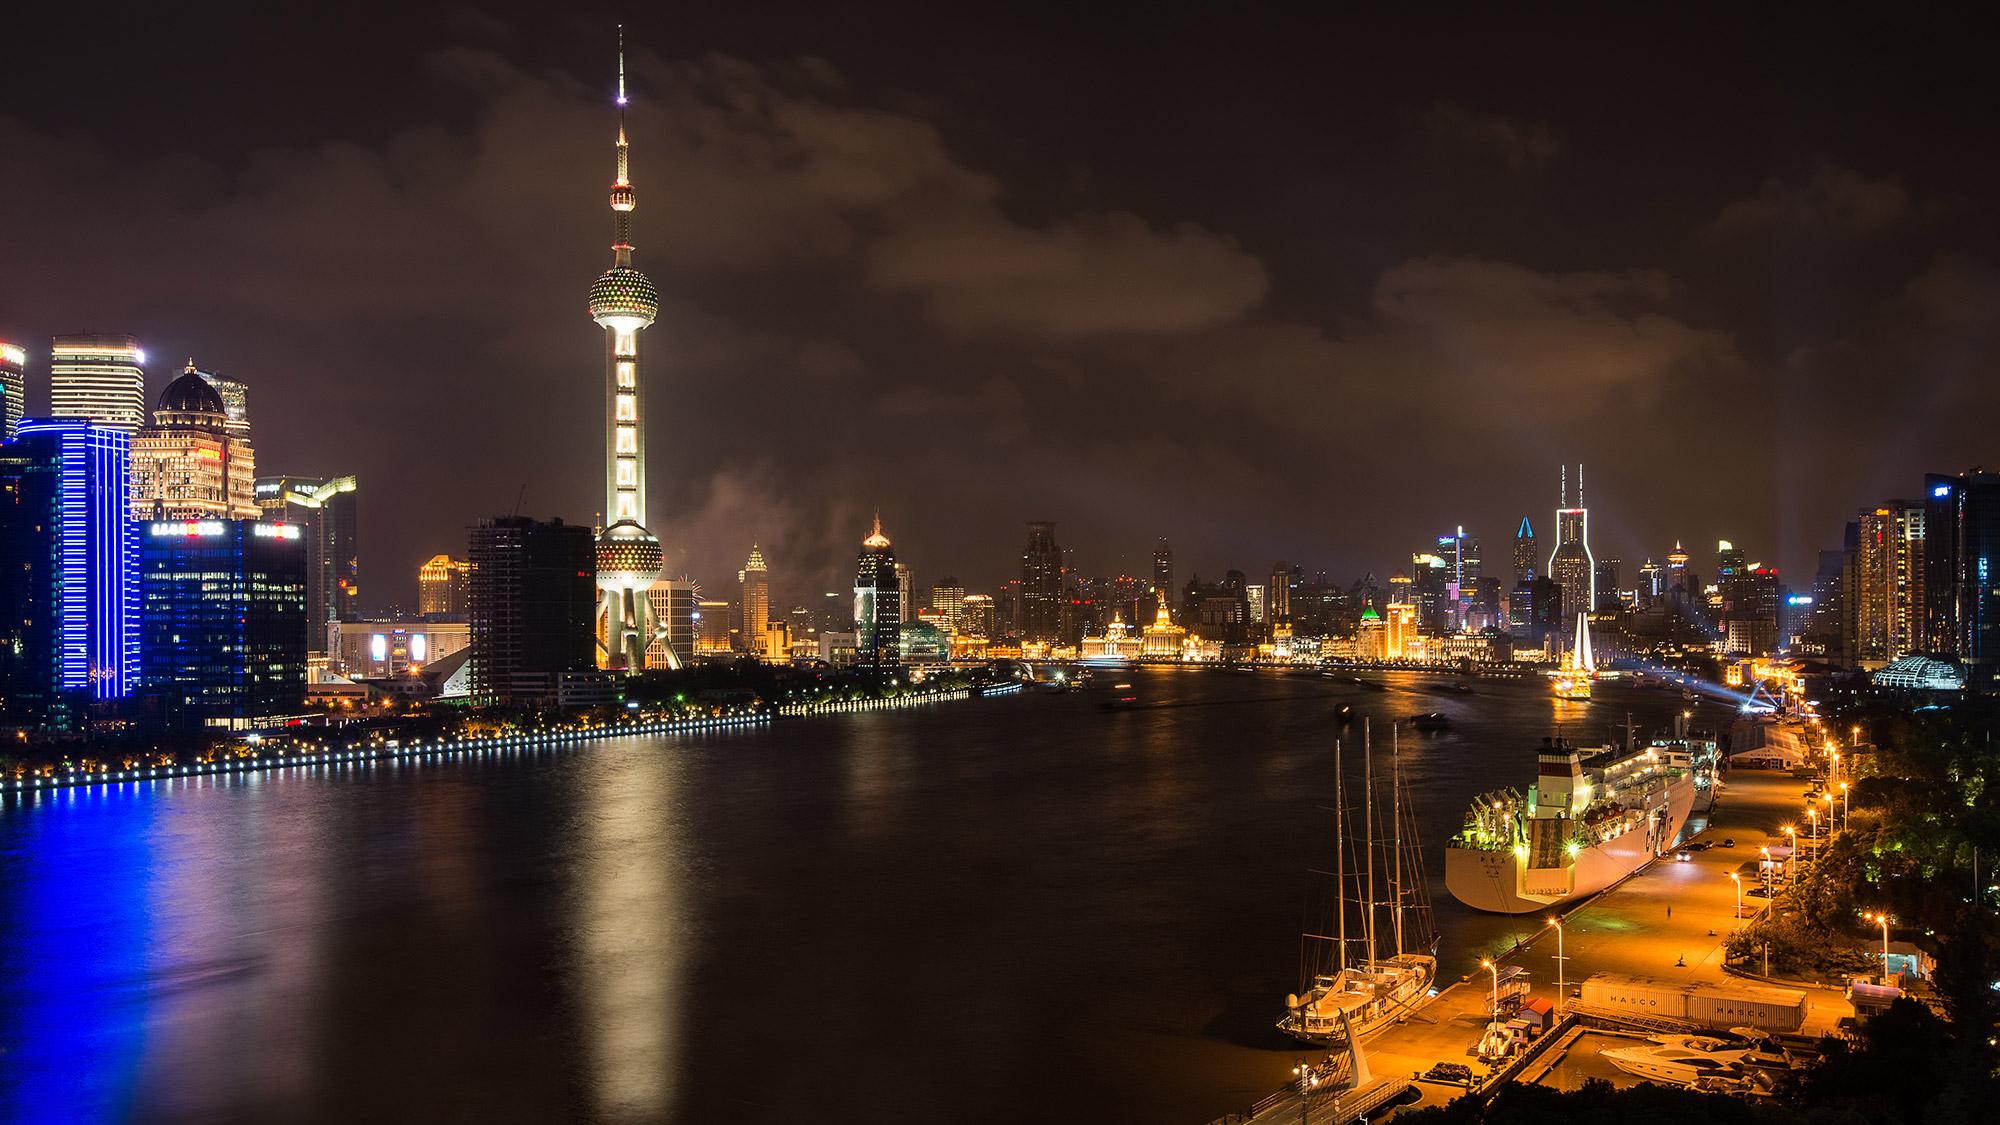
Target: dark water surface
{"x":1004,"y":910}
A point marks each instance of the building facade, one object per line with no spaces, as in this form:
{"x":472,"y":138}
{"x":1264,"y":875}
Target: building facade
{"x":13,"y":387}
{"x":224,"y":619}
{"x":385,"y":649}
{"x":878,"y":602}
{"x":1571,"y":564}
{"x":1041,"y":585}
{"x":441,"y":587}
{"x":99,"y":628}
{"x":755,"y":581}
{"x":189,"y":464}
{"x":531,"y":597}
{"x":31,"y":573}
{"x":326,"y":508}
{"x":1889,"y":603}
{"x":100,"y":377}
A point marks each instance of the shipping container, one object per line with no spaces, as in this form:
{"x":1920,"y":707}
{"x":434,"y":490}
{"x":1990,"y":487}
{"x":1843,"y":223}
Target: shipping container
{"x":1722,"y":1004}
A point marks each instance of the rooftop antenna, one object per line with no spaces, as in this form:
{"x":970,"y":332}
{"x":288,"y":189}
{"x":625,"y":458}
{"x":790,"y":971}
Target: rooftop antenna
{"x":1562,"y":498}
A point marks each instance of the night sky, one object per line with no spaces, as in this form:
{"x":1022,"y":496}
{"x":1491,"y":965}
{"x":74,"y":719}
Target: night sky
{"x":1313,"y":287}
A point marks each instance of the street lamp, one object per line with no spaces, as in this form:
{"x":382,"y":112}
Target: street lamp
{"x":1738,"y":880}
{"x":1843,"y":803}
{"x":1308,"y":1078}
{"x":1884,"y":919}
{"x":1792,"y":865}
{"x":1764,"y":869}
{"x":1487,"y":963}
{"x":1560,"y":990}
{"x":1829,"y":813}
{"x":1813,"y":815}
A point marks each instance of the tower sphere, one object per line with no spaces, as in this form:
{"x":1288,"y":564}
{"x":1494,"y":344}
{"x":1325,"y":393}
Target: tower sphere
{"x":623,"y":294}
{"x":628,"y":557}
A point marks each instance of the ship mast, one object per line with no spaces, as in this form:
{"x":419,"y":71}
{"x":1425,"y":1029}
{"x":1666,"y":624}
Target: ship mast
{"x":1396,"y":807}
{"x":1368,"y":814}
{"x":1339,"y":860}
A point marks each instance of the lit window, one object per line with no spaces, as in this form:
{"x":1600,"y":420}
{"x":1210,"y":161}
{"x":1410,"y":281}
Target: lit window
{"x":628,"y":408}
{"x":628,"y":506}
{"x":626,"y":342}
{"x":628,"y":439}
{"x":628,"y":473}
{"x":628,"y":373}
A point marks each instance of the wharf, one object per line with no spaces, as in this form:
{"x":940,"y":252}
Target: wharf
{"x":1668,"y":920}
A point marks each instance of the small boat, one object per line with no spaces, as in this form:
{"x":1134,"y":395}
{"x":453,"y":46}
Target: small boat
{"x":1123,"y":698}
{"x":1430,"y":721}
{"x":1680,"y":1060}
{"x":1572,"y":681}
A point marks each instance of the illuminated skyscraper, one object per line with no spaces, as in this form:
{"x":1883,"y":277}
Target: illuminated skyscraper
{"x":13,"y":387}
{"x":1962,"y":583}
{"x":325,"y":509}
{"x":224,"y":619}
{"x":1524,"y":554}
{"x":1571,"y":564}
{"x":1889,"y":583}
{"x":755,"y":578}
{"x":629,"y":559}
{"x":948,"y":602}
{"x":878,"y":602}
{"x":190,"y":464}
{"x":31,"y":696}
{"x":235,"y":400}
{"x":1278,"y":597}
{"x":101,"y":378}
{"x":530,"y":598}
{"x":441,"y":587}
{"x":100,"y":574}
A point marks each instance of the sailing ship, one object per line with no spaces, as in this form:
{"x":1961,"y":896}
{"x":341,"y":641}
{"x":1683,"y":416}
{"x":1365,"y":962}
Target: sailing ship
{"x":1578,"y":668}
{"x":1345,"y":997}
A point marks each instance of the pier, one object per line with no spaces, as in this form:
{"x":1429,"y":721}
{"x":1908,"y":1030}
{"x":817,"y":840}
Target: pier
{"x":1667,"y":920}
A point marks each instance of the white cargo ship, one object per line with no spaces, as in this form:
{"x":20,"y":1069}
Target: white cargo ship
{"x":1589,"y":820}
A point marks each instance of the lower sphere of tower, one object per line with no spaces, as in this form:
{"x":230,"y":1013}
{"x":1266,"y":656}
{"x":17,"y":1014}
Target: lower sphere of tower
{"x":628,"y":557}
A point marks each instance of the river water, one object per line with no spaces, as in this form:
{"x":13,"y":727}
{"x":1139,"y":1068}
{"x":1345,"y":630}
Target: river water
{"x":1027,"y":908}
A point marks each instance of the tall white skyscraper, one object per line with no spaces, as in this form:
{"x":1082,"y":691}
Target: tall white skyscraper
{"x":13,"y":385}
{"x":99,"y":377}
{"x":629,"y":558}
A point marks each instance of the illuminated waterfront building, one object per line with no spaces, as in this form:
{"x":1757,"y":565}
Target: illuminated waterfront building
{"x":13,"y":387}
{"x":1889,"y":583}
{"x":921,"y":645}
{"x":235,"y":400}
{"x":878,"y":602}
{"x":189,"y":464}
{"x":948,"y":602}
{"x":97,"y":547}
{"x":629,"y":559}
{"x":1254,"y":605}
{"x":1041,"y":585}
{"x":1399,"y":637}
{"x":101,"y":378}
{"x":383,"y":649}
{"x":1371,"y":637}
{"x":980,"y":617}
{"x":755,"y":580}
{"x":1162,"y":640}
{"x":441,"y":587}
{"x":224,"y":621}
{"x":1571,"y":564}
{"x":1278,"y":596}
{"x":531,"y":599}
{"x":711,"y":628}
{"x":324,"y":508}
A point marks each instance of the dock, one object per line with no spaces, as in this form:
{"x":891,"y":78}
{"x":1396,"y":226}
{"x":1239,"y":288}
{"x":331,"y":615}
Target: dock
{"x":1668,"y":920}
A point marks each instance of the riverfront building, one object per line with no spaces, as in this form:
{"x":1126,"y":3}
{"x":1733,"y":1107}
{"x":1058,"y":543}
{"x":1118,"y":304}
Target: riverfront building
{"x":878,"y":602}
{"x":224,"y":619}
{"x":324,"y":509}
{"x":531,"y":598}
{"x":190,"y":464}
{"x":98,"y":634}
{"x":755,"y":579}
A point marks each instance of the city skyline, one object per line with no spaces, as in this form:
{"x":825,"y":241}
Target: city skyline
{"x":1626,"y":348}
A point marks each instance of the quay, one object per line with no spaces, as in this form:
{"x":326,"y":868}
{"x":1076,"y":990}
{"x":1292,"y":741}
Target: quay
{"x":1668,"y":920}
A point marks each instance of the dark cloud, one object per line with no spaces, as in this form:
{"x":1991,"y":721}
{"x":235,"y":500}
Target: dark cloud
{"x":1217,"y":296}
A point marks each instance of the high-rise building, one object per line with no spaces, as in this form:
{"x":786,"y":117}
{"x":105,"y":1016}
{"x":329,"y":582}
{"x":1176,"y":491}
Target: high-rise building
{"x":190,"y":464}
{"x":755,"y":579}
{"x":1041,"y":584}
{"x":673,"y":603}
{"x":441,"y":587}
{"x":980,"y":616}
{"x":878,"y":602}
{"x":906,"y":591}
{"x":101,"y":378}
{"x":31,"y":572}
{"x":1606,"y":578}
{"x":1889,"y":610}
{"x":1524,"y":554}
{"x":223,"y":619}
{"x":1728,"y":559}
{"x":948,"y":602}
{"x":324,"y":507}
{"x":99,"y":545}
{"x":711,"y":627}
{"x":13,"y":387}
{"x":235,"y":400}
{"x":1278,"y":595}
{"x":1962,"y":571}
{"x":1163,"y":566}
{"x":629,"y":559}
{"x":531,"y":597}
{"x":1571,"y":564}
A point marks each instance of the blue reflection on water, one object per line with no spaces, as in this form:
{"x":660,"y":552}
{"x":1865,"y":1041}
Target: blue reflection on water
{"x":74,"y":885}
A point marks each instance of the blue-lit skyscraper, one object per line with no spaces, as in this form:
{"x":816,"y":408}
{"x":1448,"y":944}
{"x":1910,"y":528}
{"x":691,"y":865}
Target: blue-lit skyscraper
{"x":224,"y":611}
{"x":98,"y":546}
{"x":31,"y":696}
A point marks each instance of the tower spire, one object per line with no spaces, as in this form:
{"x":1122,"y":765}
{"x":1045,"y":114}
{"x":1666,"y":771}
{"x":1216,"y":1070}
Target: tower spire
{"x":623,"y":198}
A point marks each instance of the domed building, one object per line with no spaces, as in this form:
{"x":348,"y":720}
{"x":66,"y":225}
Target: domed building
{"x":190,"y":464}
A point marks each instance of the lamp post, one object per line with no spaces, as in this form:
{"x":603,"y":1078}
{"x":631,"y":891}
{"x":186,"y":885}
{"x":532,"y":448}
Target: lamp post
{"x":1738,"y":880}
{"x":1829,"y":814}
{"x":1488,"y":964}
{"x":1764,"y":869}
{"x":1843,"y":803}
{"x":1560,"y":990}
{"x":1884,"y":919}
{"x":1307,"y":1080}
{"x":1812,"y":814}
{"x":1792,"y":864}
{"x":1836,"y":761}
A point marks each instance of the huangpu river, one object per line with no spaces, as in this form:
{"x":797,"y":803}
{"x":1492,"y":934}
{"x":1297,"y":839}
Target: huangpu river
{"x":1011,"y":909}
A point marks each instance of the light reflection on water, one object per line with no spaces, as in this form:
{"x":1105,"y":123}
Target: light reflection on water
{"x":1022,"y":908}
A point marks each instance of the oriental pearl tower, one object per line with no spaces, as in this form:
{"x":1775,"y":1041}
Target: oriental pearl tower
{"x":629,"y":558}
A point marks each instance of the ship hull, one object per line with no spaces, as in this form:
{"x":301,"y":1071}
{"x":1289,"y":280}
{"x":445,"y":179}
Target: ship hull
{"x":1498,"y":881}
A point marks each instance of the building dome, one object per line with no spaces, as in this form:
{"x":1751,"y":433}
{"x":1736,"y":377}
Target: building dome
{"x":623,"y":293}
{"x":191,"y":394}
{"x":628,"y":557}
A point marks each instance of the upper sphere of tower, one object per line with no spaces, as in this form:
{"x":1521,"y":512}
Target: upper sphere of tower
{"x":628,"y":557}
{"x":623,"y":293}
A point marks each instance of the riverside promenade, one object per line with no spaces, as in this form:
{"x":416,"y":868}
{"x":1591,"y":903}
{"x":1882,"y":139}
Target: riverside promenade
{"x":1668,"y":920}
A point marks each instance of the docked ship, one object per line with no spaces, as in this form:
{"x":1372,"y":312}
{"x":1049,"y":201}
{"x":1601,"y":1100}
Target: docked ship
{"x":1572,"y":680}
{"x":1589,"y":820}
{"x":1349,"y":993}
